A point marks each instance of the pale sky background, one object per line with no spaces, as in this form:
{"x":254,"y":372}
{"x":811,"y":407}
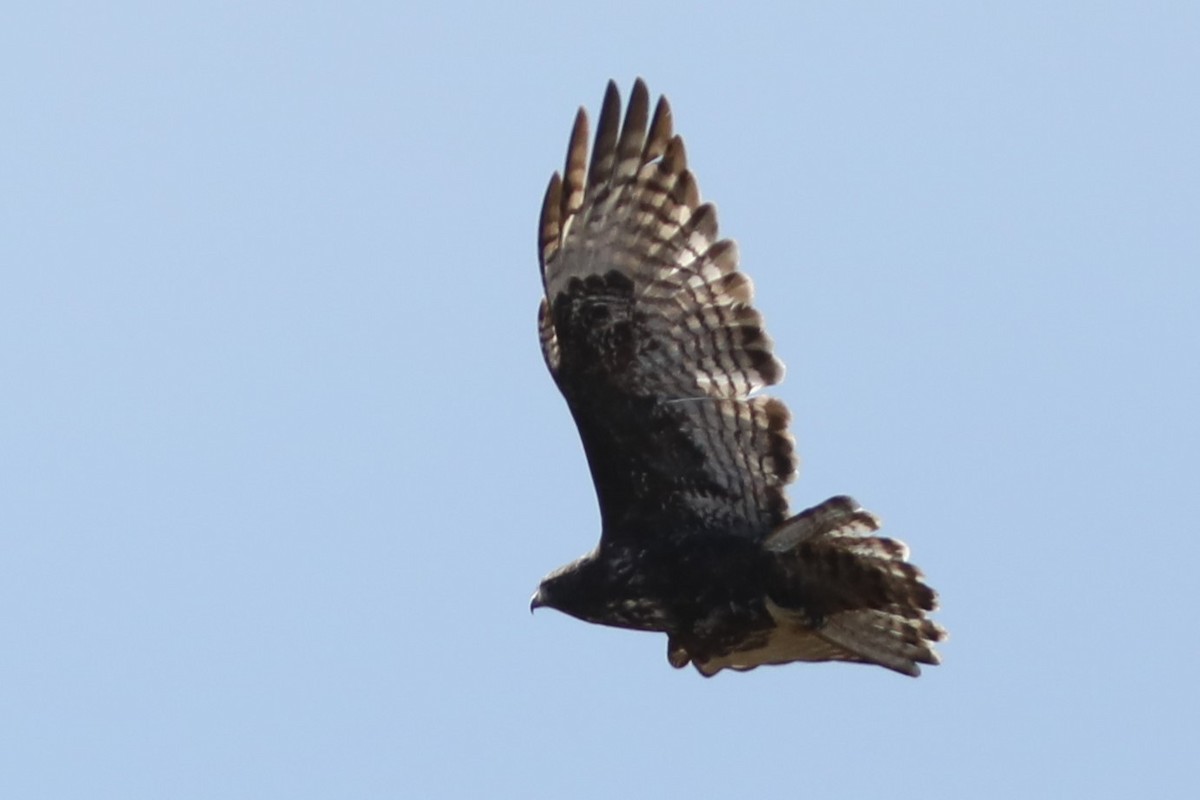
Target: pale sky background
{"x":280,"y":464}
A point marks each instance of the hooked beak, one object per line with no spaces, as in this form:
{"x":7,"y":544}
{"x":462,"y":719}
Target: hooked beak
{"x":536,"y":601}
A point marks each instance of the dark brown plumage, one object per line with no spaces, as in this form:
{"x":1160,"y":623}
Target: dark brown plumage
{"x":648,"y":329}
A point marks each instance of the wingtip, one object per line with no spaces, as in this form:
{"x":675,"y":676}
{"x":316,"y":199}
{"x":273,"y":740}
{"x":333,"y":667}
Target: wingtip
{"x":612,"y":94}
{"x":640,"y":90}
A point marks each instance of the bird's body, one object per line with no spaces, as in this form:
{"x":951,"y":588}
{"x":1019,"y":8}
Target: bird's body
{"x":648,"y":329}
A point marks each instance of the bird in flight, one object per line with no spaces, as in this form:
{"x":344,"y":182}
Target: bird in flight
{"x":649,"y":331}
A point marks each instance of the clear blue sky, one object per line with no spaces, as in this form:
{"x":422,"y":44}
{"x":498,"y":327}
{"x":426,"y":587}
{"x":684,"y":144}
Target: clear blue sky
{"x":280,"y":464}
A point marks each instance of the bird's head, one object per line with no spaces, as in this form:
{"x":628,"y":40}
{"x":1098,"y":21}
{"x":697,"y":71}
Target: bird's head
{"x":566,"y":587}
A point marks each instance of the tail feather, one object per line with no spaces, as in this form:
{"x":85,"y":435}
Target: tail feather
{"x":889,"y":640}
{"x":853,"y":589}
{"x":837,"y":517}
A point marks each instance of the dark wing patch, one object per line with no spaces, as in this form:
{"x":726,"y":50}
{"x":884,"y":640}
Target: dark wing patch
{"x":649,"y":331}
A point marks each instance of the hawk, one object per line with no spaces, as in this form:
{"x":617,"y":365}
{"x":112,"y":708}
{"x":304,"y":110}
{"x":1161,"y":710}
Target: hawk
{"x":648,"y":329}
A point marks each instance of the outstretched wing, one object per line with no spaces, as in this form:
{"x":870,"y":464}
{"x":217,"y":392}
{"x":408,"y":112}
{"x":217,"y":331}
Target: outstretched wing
{"x":648,"y":329}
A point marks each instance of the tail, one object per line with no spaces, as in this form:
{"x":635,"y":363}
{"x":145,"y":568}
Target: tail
{"x":834,"y":579}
